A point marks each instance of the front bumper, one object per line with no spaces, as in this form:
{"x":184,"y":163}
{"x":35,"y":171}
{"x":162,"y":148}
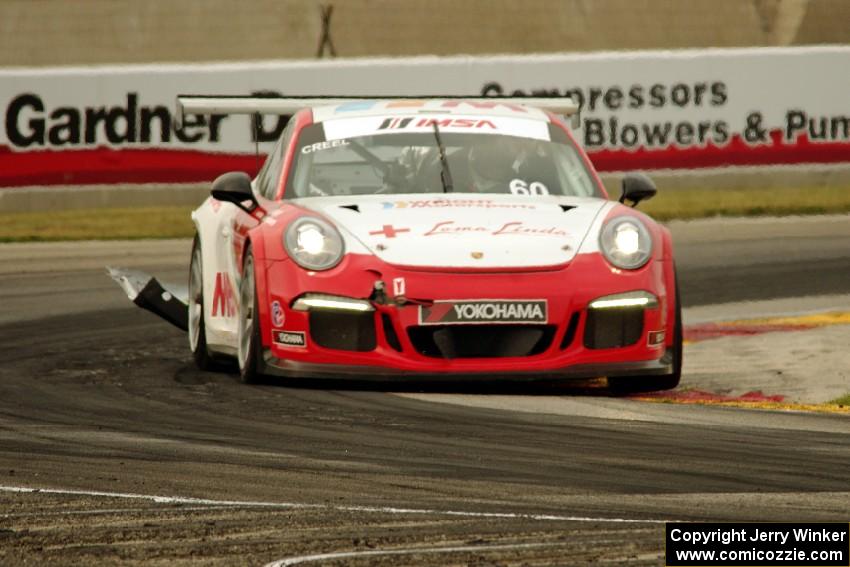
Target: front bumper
{"x":394,"y":349}
{"x":293,"y":369}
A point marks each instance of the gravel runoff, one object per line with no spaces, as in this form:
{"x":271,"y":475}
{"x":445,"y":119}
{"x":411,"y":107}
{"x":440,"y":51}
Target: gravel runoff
{"x":809,"y":366}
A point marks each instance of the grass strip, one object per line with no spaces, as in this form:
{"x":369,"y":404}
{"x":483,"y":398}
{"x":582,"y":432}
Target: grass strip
{"x":843,"y":401}
{"x":700,"y":203}
{"x":97,"y":224}
{"x":174,"y":221}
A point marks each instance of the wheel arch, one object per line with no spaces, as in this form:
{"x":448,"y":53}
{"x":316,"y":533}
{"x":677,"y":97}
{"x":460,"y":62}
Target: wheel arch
{"x":256,"y":240}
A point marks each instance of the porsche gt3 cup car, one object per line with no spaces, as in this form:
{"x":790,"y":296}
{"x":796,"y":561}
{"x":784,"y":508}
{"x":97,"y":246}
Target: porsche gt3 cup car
{"x":439,"y":238}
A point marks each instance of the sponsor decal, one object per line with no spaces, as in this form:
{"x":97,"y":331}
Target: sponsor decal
{"x":319,"y":146}
{"x":515,"y":228}
{"x":395,"y":123}
{"x":468,"y":123}
{"x":399,"y":287}
{"x":523,"y":229}
{"x":461,"y":105}
{"x":389,"y":231}
{"x":694,"y":99}
{"x":459,"y":312}
{"x":483,"y":105}
{"x":454,"y":203}
{"x":224,"y":298}
{"x":278,"y":316}
{"x":30,"y":123}
{"x":290,"y":338}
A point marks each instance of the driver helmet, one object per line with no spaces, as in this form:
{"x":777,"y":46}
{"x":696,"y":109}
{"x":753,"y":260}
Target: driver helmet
{"x":491,"y":164}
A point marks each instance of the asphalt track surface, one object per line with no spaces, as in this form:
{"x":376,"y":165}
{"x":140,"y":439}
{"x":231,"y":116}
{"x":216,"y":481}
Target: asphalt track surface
{"x":101,"y":398}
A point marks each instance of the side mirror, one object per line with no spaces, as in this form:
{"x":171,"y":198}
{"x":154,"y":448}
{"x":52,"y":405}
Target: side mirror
{"x":637,"y":187}
{"x":235,"y":187}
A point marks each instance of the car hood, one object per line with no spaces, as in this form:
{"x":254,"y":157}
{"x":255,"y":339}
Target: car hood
{"x":463,"y":230}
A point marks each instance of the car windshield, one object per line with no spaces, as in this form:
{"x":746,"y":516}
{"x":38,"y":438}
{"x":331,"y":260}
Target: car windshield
{"x":478,"y":155}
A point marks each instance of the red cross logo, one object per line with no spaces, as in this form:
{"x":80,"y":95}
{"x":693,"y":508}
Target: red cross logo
{"x":389,"y":231}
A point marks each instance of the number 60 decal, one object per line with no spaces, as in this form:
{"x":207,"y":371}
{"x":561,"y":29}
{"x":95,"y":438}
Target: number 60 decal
{"x":520,"y":187}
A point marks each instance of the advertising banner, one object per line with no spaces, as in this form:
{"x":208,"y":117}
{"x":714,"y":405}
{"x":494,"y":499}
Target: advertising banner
{"x":651,"y":110}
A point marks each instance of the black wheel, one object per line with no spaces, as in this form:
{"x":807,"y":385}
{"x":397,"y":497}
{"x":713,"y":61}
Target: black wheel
{"x":249,"y":344}
{"x":637,"y":384}
{"x":197,"y":330}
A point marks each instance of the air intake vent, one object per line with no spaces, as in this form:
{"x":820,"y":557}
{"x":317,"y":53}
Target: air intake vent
{"x":343,"y":331}
{"x":570,"y":334}
{"x":389,"y":332}
{"x":612,"y":328}
{"x":481,"y":341}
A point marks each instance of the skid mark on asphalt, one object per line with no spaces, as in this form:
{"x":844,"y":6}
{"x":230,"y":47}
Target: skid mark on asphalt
{"x":410,"y":551}
{"x":159,"y":499}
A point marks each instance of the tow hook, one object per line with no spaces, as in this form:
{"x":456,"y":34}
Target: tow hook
{"x":379,"y":293}
{"x":380,"y":297}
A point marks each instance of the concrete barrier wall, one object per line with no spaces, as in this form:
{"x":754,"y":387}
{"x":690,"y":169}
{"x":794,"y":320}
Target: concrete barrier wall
{"x":642,"y":110}
{"x":63,"y":32}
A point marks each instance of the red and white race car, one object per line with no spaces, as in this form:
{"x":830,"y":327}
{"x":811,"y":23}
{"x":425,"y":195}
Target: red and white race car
{"x":435,"y":238}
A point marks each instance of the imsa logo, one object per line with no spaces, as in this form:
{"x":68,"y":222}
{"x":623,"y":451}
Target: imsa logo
{"x":484,"y":311}
{"x":467,"y":123}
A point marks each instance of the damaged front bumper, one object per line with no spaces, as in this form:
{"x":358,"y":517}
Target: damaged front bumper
{"x":168,"y":301}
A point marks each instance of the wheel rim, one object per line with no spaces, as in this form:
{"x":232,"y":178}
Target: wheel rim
{"x":246,"y":313}
{"x":196,"y":299}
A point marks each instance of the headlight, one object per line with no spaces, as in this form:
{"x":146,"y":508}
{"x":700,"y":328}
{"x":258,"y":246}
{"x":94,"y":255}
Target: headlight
{"x":626,"y":243}
{"x":313,"y":243}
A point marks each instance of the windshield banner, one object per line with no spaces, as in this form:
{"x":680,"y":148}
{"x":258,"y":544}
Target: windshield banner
{"x":651,"y":110}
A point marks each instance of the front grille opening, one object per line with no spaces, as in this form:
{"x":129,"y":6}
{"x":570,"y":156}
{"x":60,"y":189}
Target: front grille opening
{"x":481,"y":341}
{"x":613,"y":328}
{"x":389,"y":332}
{"x":570,"y":334}
{"x":343,"y":331}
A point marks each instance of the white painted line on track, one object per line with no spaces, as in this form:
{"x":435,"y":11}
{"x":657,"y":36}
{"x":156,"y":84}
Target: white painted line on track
{"x":305,"y":506}
{"x":109,"y":511}
{"x":411,"y":551}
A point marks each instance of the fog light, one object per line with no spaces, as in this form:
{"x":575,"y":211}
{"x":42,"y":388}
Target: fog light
{"x":642,"y":299}
{"x":331,"y":303}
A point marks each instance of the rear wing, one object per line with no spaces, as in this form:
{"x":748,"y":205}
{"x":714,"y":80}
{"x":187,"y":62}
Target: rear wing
{"x":238,"y":104}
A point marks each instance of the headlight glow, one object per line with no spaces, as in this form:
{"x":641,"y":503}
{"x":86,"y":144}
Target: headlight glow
{"x":627,"y":238}
{"x":313,"y":243}
{"x":310,"y":239}
{"x":625,"y":242}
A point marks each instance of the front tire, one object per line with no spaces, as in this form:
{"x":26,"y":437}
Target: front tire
{"x":638,"y":384}
{"x":196,"y":327}
{"x":249,"y":346}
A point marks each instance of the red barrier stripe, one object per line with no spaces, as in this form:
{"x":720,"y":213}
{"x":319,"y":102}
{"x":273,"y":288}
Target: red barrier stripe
{"x":103,"y":165}
{"x":736,"y":153}
{"x":107,"y":165}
